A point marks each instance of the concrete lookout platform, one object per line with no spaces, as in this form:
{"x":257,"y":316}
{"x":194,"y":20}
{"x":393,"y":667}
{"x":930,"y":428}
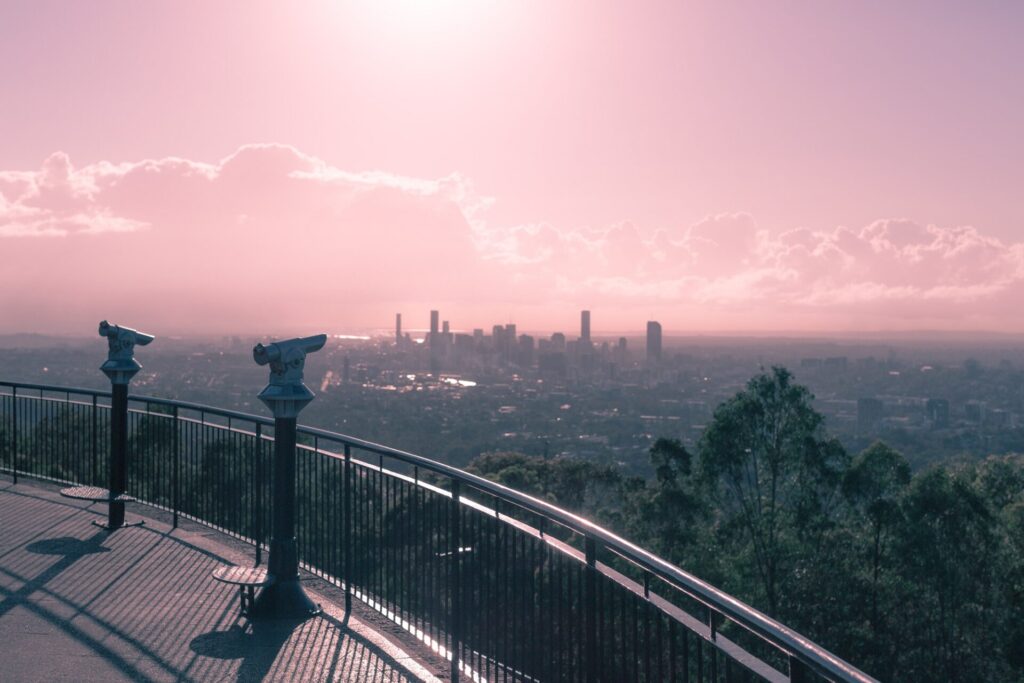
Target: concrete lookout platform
{"x":78,"y":603}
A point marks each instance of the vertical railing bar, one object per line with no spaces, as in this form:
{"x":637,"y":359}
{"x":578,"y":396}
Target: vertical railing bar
{"x":317,"y":503}
{"x":66,"y":440}
{"x":176,"y":474}
{"x":590,"y":609}
{"x":798,"y":672}
{"x":454,"y":580}
{"x":95,"y":448}
{"x":14,"y":434}
{"x":647,"y":625}
{"x":254,"y":482}
{"x":347,"y":528}
{"x":259,"y":493}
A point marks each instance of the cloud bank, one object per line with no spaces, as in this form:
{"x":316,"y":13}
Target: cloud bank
{"x":270,"y":238}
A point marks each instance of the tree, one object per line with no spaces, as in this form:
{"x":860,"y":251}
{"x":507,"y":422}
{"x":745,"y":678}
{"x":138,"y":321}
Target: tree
{"x":572,"y":483}
{"x":772,"y":474}
{"x":1000,"y":481}
{"x":947,"y":548}
{"x":874,"y":486}
{"x":666,"y":515}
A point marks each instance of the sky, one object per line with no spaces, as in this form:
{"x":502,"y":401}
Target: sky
{"x":236,"y":167}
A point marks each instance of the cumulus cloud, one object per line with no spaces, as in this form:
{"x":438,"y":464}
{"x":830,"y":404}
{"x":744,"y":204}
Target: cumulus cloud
{"x":725,"y":260}
{"x":271,"y":233}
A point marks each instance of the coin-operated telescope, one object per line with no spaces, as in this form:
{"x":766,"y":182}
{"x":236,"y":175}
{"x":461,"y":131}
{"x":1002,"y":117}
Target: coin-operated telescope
{"x":286,"y":395}
{"x":121,"y":365}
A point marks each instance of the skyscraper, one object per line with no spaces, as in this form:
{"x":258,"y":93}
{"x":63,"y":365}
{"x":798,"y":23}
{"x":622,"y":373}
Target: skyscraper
{"x":398,"y":328}
{"x":653,"y":342}
{"x":435,"y":317}
{"x":585,"y":326}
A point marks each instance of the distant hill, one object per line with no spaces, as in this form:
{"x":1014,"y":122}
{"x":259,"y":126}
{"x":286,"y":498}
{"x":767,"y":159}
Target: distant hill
{"x":41,"y":341}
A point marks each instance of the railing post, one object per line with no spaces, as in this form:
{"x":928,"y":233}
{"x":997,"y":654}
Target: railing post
{"x":14,"y":434}
{"x":176,"y":475}
{"x":798,"y":671}
{"x":455,"y":580}
{"x":713,"y":630}
{"x":346,"y":529}
{"x":590,"y":609}
{"x":258,"y":471}
{"x":95,"y":448}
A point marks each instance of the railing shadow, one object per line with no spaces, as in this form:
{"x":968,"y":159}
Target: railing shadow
{"x":134,"y":598}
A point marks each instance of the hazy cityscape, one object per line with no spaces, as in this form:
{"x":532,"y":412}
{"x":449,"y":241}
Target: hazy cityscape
{"x":455,"y":394}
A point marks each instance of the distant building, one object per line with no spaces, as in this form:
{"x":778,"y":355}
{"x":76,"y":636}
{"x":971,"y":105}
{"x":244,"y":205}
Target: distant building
{"x":558,"y":342}
{"x":585,"y":326}
{"x":999,"y":418}
{"x":835,"y":363}
{"x":398,"y":329}
{"x":510,"y":342}
{"x":525,"y":353}
{"x":870,"y":412}
{"x":553,"y":364}
{"x":937,"y":411}
{"x":434,"y":340}
{"x":445,"y":328}
{"x":653,"y":342}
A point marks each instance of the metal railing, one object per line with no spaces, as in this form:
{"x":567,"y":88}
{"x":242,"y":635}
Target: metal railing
{"x":507,"y":586}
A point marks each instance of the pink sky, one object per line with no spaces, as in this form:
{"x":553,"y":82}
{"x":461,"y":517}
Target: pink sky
{"x":718,"y":166}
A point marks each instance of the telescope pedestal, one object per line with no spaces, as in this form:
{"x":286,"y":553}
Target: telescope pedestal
{"x":284,"y":598}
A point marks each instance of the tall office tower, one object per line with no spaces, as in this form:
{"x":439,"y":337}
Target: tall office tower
{"x":585,"y":325}
{"x":511,"y":342}
{"x":445,"y":328}
{"x":434,"y":318}
{"x":398,"y":328}
{"x":558,"y":342}
{"x":653,"y":342}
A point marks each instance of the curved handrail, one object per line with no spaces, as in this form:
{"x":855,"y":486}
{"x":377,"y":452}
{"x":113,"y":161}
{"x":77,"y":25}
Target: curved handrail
{"x":785,"y":639}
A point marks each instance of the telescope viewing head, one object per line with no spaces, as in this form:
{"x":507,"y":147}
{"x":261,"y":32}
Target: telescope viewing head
{"x":121,"y":365}
{"x":287,"y":358}
{"x":286,"y":395}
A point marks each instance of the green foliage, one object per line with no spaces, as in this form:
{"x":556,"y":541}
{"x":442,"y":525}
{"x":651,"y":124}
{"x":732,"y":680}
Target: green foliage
{"x":570,"y":482}
{"x":909,"y":576}
{"x":772,"y":475}
{"x":666,"y":515}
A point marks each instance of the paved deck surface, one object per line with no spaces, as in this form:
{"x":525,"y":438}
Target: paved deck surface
{"x":79,"y":604}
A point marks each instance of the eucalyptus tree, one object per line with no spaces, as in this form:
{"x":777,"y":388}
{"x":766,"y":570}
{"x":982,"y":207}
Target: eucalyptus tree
{"x":773,"y":476}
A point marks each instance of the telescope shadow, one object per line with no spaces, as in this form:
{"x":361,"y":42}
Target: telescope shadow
{"x":322,"y":648}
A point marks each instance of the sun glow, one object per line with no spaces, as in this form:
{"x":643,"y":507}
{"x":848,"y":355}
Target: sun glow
{"x":428,"y":18}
